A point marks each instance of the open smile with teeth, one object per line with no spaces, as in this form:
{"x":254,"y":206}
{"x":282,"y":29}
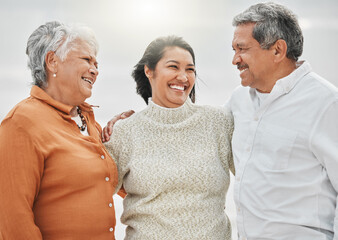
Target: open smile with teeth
{"x":178,"y":87}
{"x":243,"y":70}
{"x":87,"y":80}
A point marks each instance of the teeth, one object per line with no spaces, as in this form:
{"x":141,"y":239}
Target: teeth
{"x":243,"y":70}
{"x":87,"y":80}
{"x":177,"y":87}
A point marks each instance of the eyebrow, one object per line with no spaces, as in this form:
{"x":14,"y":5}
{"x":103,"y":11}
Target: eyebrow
{"x":240,"y":44}
{"x":174,"y":61}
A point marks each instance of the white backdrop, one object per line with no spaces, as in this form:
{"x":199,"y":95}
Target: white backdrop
{"x":125,"y":28}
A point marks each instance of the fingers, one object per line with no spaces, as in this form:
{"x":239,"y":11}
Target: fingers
{"x":105,"y":136}
{"x":108,"y":130}
{"x":127,"y":114}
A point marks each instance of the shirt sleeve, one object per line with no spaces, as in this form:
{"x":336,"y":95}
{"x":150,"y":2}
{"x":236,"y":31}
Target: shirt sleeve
{"x":21,"y":167}
{"x":324,"y":144}
{"x":122,"y":193}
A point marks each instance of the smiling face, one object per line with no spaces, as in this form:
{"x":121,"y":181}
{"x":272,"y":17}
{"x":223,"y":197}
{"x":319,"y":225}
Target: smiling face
{"x":75,"y":76}
{"x":255,"y":64}
{"x":173,"y":78}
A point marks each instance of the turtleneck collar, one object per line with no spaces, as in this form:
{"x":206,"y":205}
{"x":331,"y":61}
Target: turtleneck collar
{"x":169,"y":115}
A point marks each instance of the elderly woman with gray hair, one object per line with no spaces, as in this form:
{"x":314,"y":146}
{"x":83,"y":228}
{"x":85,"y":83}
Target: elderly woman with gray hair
{"x":57,"y":179}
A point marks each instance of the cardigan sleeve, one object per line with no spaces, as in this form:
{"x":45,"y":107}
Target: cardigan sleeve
{"x":21,"y":166}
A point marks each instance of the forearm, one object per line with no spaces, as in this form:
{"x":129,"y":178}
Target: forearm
{"x":17,"y":226}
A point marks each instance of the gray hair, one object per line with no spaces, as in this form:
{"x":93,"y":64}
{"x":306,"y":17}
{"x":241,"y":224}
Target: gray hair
{"x":273,"y":22}
{"x":56,"y":37}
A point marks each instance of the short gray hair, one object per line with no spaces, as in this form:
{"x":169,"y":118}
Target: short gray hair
{"x":273,"y":22}
{"x":59,"y":38}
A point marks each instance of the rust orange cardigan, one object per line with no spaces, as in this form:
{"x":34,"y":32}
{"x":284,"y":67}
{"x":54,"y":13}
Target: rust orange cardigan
{"x":55,"y":183}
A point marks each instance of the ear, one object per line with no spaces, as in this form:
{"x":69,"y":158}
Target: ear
{"x":51,"y":62}
{"x":148,"y":72}
{"x":280,"y":48}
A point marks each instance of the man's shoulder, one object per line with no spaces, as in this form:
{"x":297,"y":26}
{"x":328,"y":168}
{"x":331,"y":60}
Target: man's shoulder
{"x":240,"y":91}
{"x":239,"y":95}
{"x":320,"y":86}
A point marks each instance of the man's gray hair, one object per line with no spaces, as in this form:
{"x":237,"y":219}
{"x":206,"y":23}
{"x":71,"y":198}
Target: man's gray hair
{"x":56,"y":37}
{"x":273,"y":22}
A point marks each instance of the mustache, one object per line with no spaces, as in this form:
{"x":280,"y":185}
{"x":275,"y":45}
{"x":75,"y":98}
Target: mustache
{"x":242,"y":66}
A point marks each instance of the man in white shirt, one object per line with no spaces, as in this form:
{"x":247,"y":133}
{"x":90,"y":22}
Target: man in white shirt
{"x":285,"y":142}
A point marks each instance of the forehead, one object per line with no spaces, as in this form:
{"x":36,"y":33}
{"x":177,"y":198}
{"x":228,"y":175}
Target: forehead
{"x":176,"y":53}
{"x":243,"y":34}
{"x":82,"y":47}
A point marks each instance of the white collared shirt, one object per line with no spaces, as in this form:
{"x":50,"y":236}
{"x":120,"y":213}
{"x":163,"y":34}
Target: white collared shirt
{"x":285,"y":149}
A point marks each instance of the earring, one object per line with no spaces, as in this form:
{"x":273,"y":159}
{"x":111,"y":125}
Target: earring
{"x":54,"y":74}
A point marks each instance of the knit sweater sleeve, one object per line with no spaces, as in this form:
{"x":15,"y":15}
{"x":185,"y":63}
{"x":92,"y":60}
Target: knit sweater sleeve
{"x":119,"y":148}
{"x":225,"y":126}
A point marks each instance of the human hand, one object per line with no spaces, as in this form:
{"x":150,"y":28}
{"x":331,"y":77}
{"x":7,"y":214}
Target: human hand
{"x":108,"y":129}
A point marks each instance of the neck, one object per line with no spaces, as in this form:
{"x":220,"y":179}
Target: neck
{"x":280,"y":71}
{"x":57,"y":93}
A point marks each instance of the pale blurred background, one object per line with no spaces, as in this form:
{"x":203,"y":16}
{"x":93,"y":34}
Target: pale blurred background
{"x":124,"y":28}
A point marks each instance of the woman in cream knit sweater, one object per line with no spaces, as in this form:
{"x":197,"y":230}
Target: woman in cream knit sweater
{"x":174,"y":156}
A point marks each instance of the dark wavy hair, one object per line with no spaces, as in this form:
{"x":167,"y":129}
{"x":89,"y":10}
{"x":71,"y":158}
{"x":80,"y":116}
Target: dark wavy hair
{"x":152,"y":55}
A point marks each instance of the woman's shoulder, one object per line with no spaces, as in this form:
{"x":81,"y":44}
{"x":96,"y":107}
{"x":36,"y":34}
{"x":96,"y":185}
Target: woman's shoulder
{"x":26,"y":111}
{"x":219,"y":116}
{"x":216,"y":112}
{"x":130,"y":122}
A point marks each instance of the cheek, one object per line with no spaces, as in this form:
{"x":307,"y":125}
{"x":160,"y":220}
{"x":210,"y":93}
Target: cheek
{"x":192,"y":80}
{"x":157,"y":87}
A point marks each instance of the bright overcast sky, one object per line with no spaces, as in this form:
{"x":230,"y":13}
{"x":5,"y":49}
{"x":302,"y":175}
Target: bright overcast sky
{"x":124,"y":28}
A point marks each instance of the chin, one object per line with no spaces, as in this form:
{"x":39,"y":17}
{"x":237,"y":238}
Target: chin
{"x":179,"y":102}
{"x":245,"y":83}
{"x":87,"y":94}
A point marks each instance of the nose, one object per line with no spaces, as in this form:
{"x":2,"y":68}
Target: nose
{"x":182,"y":76}
{"x":236,"y":59}
{"x":93,"y":71}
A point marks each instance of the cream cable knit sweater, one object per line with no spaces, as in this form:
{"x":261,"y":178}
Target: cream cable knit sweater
{"x":174,"y":164}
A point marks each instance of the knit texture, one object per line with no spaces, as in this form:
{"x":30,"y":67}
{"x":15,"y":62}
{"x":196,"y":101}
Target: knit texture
{"x":174,"y":165}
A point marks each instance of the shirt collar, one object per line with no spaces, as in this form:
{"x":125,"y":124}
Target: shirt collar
{"x":40,"y":94}
{"x":287,"y":83}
